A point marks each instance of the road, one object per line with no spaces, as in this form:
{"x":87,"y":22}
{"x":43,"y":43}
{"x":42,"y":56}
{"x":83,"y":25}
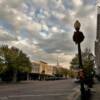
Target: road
{"x":37,"y":90}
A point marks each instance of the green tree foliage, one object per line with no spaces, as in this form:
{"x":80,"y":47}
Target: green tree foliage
{"x":13,"y":61}
{"x":75,"y":62}
{"x":87,"y":60}
{"x":61,"y":72}
{"x":64,"y":72}
{"x":71,"y":73}
{"x":2,"y":65}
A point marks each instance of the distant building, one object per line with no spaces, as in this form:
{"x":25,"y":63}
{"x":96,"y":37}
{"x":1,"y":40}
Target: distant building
{"x":35,"y":71}
{"x":97,"y":42}
{"x":41,"y":70}
{"x":35,"y":67}
{"x":49,"y":70}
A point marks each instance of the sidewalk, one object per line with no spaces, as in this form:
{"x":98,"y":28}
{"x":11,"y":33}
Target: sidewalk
{"x":95,"y":93}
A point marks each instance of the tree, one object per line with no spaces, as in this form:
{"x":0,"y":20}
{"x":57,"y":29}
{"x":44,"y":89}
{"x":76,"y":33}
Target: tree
{"x":15,"y":61}
{"x":62,"y":72}
{"x":75,"y":62}
{"x":2,"y":65}
{"x":87,"y":60}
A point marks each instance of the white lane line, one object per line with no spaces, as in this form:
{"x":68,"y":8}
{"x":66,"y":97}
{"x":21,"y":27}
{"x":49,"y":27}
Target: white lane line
{"x":3,"y":98}
{"x":37,"y":95}
{"x":18,"y":96}
{"x":49,"y":90}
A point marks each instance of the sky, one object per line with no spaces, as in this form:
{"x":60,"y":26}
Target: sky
{"x":43,"y":29}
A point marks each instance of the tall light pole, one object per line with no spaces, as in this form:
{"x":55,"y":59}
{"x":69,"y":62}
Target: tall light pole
{"x":78,"y":37}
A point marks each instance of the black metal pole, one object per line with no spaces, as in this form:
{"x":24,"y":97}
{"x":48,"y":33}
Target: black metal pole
{"x":78,"y":37}
{"x":82,"y":89}
{"x":80,"y":57}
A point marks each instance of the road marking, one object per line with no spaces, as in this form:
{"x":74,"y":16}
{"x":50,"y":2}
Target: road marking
{"x":53,"y":89}
{"x":75,"y":94}
{"x":37,"y":95}
{"x":38,"y":90}
{"x":3,"y":98}
{"x":18,"y":96}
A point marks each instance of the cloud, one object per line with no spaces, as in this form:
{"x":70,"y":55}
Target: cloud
{"x":78,"y":3}
{"x":6,"y":36}
{"x":89,"y":2}
{"x":44,"y":28}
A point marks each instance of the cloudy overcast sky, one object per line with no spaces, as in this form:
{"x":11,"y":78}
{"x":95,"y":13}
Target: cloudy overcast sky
{"x":44,"y":28}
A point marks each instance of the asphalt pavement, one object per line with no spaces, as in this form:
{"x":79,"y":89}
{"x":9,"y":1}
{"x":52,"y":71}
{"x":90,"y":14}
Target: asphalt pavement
{"x":37,"y":90}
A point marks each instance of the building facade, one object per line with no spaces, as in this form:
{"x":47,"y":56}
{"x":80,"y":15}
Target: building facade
{"x":41,"y":70}
{"x":97,"y":42}
{"x":35,"y":67}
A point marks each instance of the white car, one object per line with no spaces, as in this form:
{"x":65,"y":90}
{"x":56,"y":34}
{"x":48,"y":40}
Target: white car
{"x":76,"y":80}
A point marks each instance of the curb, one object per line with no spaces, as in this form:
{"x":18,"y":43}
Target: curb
{"x":75,"y":94}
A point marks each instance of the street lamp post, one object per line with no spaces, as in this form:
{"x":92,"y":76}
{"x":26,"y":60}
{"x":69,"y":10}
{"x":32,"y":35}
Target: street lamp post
{"x":78,"y":37}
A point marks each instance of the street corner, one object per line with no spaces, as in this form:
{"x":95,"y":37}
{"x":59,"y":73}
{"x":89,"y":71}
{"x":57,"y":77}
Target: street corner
{"x":75,"y":94}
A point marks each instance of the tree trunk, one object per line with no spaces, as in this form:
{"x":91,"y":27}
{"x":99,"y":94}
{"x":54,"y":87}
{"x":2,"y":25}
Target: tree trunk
{"x":15,"y":76}
{"x":27,"y":76}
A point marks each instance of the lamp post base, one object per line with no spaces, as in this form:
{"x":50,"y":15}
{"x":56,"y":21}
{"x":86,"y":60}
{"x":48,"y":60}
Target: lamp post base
{"x":82,"y":90}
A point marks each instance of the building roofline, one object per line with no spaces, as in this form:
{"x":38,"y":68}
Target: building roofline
{"x":43,"y":62}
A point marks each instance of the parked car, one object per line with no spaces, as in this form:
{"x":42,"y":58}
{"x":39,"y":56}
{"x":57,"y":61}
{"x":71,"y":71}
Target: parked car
{"x":76,"y":80}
